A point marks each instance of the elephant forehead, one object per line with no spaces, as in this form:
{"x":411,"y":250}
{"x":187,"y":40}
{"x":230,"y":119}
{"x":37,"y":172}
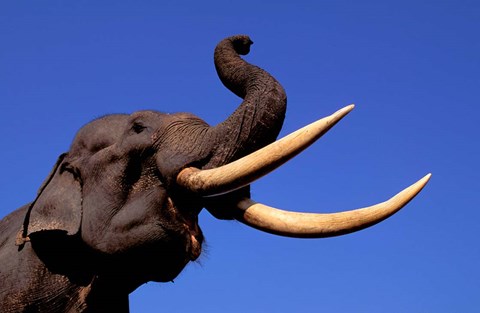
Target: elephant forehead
{"x":148,"y":115}
{"x":159,"y":119}
{"x":98,"y":134}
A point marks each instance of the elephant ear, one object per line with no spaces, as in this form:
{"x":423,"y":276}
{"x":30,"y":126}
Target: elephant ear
{"x":58,"y":205}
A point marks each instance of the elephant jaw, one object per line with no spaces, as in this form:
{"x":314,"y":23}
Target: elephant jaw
{"x":244,"y":171}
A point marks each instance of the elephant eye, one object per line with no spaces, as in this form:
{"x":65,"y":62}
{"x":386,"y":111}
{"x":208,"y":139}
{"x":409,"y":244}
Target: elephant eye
{"x":66,"y":167}
{"x":138,"y":128}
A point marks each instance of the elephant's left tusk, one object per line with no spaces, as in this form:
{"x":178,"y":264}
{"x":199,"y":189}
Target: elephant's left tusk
{"x":246,"y":170}
{"x":314,"y":225}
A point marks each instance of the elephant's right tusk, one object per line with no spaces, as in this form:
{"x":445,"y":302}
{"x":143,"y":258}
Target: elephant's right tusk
{"x":246,"y":170}
{"x":314,"y":225}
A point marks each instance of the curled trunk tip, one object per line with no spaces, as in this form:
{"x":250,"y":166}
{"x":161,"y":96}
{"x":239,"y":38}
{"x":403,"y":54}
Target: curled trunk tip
{"x":241,"y":43}
{"x":259,"y":118}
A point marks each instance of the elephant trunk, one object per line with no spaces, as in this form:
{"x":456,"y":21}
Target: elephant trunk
{"x":259,"y":119}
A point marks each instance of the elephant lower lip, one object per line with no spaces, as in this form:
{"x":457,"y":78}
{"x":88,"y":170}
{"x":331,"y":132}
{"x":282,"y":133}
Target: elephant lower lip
{"x":194,"y":234}
{"x":195,"y":248}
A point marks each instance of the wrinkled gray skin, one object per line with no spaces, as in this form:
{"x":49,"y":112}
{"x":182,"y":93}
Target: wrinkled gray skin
{"x":110,"y":216}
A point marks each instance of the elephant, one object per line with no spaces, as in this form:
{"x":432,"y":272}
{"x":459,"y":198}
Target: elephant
{"x":128,"y":193}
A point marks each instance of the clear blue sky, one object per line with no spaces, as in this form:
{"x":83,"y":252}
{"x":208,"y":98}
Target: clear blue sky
{"x":411,"y":67}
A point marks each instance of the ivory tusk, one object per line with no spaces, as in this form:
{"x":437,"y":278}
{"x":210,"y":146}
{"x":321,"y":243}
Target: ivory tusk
{"x":246,"y":170}
{"x":314,"y":225}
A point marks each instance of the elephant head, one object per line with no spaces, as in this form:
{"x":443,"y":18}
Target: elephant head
{"x":131,"y":186}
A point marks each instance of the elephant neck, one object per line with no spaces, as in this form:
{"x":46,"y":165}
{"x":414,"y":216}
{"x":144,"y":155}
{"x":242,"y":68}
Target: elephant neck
{"x":70,"y":269}
{"x":92,"y":298}
{"x":103,"y":296}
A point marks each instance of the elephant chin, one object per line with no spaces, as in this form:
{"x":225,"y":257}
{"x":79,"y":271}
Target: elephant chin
{"x":179,"y":253}
{"x":162,"y":267}
{"x":169,"y":263}
{"x":161,"y":260}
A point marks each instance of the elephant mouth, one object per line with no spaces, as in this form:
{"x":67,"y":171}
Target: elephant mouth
{"x":187,"y":222}
{"x":195,"y":239}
